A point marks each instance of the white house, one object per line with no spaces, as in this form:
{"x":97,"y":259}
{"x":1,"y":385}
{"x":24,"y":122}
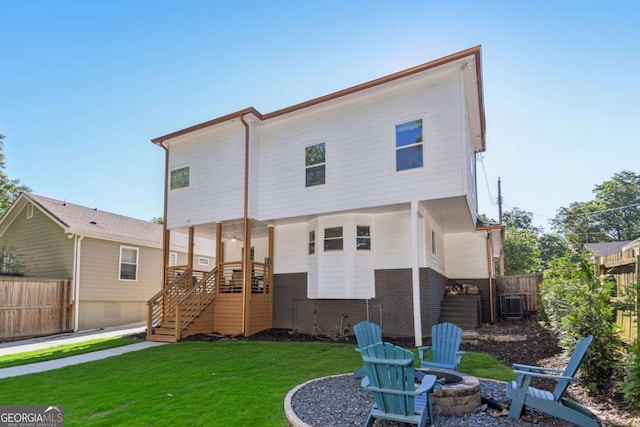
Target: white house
{"x":358,"y":204}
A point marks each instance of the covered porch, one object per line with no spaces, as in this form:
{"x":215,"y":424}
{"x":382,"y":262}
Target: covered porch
{"x":232,"y":297}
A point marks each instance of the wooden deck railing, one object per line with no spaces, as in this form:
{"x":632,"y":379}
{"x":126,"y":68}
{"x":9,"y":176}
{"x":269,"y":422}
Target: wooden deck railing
{"x":190,"y":305}
{"x":161,"y":306}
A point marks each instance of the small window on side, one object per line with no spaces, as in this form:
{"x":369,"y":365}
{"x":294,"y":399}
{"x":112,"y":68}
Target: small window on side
{"x":203,"y":260}
{"x":173,"y":259}
{"x":179,"y":178}
{"x":312,"y":242}
{"x":333,"y":240}
{"x":363,"y":238}
{"x":433,"y":242}
{"x":29,"y":211}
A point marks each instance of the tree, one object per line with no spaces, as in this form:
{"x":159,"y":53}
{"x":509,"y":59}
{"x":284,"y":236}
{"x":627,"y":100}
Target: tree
{"x":552,"y":246}
{"x":521,"y":247}
{"x":612,"y":216}
{"x":9,"y":189}
{"x":157,"y":220}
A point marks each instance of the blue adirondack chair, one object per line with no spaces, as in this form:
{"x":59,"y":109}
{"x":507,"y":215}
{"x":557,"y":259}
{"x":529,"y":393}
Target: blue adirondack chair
{"x":445,"y":347}
{"x":553,"y":403}
{"x":390,"y":376}
{"x":367,"y":333}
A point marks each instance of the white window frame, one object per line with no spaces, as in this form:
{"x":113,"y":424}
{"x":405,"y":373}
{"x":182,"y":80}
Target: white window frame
{"x":396,"y":149}
{"x":311,"y":243}
{"x":325,"y":239}
{"x":122,"y":248}
{"x":173,"y":262}
{"x":434,"y":242}
{"x":358,"y":249}
{"x":29,"y":211}
{"x":203,"y":261}
{"x":315,"y":165}
{"x":176,"y":169}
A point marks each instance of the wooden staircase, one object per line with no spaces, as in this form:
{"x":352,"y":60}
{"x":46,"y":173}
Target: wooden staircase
{"x":179,"y":309}
{"x":461,"y":310}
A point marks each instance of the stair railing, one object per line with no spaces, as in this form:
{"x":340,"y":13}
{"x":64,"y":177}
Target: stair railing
{"x":161,"y":306}
{"x":190,"y":305}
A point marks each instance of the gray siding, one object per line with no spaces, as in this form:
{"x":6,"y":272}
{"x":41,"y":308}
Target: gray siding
{"x":46,"y":249}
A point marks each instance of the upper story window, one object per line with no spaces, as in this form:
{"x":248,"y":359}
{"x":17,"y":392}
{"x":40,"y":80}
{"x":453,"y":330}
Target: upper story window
{"x":433,"y":242}
{"x":203,"y":261}
{"x":128,"y":263}
{"x":409,"y":145}
{"x":314,"y":161}
{"x":312,"y":242}
{"x":29,"y":211}
{"x":179,"y":178}
{"x":363,"y":238}
{"x":333,"y":240}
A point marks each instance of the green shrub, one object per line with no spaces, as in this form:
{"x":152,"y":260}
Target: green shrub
{"x":576,"y":304}
{"x":630,"y":387}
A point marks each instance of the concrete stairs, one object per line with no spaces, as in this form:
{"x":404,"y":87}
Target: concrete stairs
{"x":461,"y":310}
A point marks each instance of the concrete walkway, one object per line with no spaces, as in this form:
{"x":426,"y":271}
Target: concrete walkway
{"x":71,"y":338}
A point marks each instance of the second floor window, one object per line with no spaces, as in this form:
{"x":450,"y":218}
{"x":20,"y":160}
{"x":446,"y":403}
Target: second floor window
{"x":314,"y":161}
{"x":179,"y":178}
{"x":409,"y":145}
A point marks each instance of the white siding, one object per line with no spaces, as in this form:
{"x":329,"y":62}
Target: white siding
{"x":290,"y":247}
{"x":392,"y":240}
{"x":360,"y":152}
{"x":216,"y":190}
{"x":437,"y":261}
{"x":466,"y":255}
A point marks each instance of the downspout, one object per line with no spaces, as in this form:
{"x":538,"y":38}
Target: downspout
{"x":77,"y":250}
{"x":165,"y":237}
{"x":489,"y":258}
{"x":246,"y":262}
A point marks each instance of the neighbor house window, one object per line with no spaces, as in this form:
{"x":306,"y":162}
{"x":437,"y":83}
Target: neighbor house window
{"x":203,"y":260}
{"x":333,"y":239}
{"x":409,"y":145}
{"x":128,"y":263}
{"x":173,"y":259}
{"x":363,"y":238}
{"x":179,"y":178}
{"x":29,"y":211}
{"x":314,"y":161}
{"x":312,"y":242}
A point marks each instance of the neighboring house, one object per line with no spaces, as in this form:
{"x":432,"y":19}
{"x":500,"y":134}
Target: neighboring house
{"x":360,"y":204}
{"x":115,"y":262}
{"x":605,"y":248}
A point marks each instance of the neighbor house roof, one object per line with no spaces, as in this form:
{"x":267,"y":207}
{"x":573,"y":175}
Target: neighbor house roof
{"x":92,"y":222}
{"x":474,"y":52}
{"x":606,"y":248}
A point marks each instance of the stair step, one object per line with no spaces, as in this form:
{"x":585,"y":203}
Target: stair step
{"x":161,"y":338}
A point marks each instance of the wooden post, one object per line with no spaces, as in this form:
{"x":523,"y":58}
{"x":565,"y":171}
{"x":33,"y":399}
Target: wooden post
{"x":219,"y":256}
{"x":190,"y":256}
{"x":271,"y":260}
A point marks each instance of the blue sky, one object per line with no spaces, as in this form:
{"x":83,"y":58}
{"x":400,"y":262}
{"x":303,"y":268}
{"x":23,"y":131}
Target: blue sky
{"x":84,"y":85}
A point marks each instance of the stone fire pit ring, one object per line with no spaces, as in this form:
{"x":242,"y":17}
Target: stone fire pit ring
{"x":454,"y":393}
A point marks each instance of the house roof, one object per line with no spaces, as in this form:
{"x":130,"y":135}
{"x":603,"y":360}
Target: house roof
{"x":91,"y":222}
{"x":474,"y":51}
{"x":606,"y":248}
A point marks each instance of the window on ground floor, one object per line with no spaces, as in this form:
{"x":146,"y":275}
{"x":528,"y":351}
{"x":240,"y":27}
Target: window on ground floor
{"x":128,"y":263}
{"x":333,"y":240}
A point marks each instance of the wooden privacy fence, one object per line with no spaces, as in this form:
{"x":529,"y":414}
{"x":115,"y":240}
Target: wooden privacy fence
{"x":524,"y":285}
{"x":32,"y":307}
{"x":623,"y":268}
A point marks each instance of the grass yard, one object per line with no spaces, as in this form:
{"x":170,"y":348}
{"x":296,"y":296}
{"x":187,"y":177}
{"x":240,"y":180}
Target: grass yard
{"x":65,"y":350}
{"x":226,"y":383}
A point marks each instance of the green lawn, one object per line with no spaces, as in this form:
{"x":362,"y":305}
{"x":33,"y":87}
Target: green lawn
{"x":226,"y":383}
{"x":65,"y":350}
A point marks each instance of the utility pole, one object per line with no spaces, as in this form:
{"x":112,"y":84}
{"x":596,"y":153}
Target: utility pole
{"x":501,"y":231}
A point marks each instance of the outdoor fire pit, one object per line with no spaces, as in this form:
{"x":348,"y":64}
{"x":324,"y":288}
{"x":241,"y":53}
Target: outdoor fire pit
{"x":454,"y":393}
